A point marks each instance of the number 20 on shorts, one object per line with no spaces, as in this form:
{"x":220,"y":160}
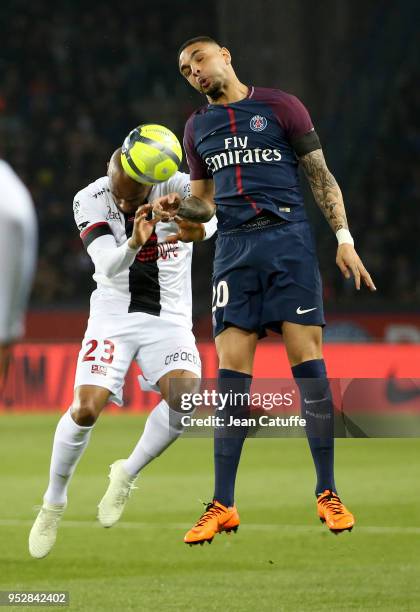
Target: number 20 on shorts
{"x":220,"y":295}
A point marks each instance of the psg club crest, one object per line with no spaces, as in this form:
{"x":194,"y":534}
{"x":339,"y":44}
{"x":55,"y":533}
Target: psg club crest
{"x":258,"y":123}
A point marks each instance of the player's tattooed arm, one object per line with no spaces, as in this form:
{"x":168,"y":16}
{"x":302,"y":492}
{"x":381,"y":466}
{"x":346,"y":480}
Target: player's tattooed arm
{"x":325,"y":188}
{"x":328,"y":196}
{"x":196,"y":210}
{"x":198,"y":207}
{"x":191,"y":209}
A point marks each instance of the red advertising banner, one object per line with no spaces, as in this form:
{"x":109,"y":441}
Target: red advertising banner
{"x":41,"y":376}
{"x":69,"y":326}
{"x":363,"y":327}
{"x":392,"y":327}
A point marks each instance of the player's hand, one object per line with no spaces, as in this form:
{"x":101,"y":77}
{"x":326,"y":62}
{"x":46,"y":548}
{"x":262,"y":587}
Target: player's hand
{"x":187,"y":231}
{"x":142,"y":228}
{"x":350,"y":264}
{"x":166,"y":207}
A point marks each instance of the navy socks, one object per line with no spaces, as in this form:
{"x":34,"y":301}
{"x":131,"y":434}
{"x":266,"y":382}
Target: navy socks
{"x":317,"y":408}
{"x":228,"y":441}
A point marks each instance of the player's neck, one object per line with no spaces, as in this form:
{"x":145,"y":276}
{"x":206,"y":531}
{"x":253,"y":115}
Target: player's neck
{"x":234,"y":92}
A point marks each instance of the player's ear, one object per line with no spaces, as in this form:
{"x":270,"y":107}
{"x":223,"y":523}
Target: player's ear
{"x":226,"y":55}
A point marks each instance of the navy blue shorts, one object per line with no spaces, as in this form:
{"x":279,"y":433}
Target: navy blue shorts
{"x":263,"y":277}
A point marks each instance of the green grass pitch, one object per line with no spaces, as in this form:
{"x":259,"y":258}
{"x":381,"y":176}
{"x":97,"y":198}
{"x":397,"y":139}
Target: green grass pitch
{"x":281,"y":559}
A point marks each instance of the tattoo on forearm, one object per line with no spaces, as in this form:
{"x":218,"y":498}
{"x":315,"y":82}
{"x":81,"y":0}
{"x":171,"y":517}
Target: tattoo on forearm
{"x":194,"y":209}
{"x":325,"y":188}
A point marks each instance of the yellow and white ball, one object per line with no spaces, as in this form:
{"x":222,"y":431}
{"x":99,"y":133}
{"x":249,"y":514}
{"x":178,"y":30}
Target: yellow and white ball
{"x":151,"y":154}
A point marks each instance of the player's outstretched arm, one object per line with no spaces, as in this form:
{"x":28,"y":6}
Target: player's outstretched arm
{"x":325,"y":188}
{"x":329,"y":198}
{"x":193,"y":232}
{"x":110,"y":259}
{"x":199,"y":207}
{"x":187,"y":232}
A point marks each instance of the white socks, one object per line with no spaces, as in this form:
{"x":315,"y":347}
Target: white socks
{"x":163,"y":426}
{"x":70,"y":441}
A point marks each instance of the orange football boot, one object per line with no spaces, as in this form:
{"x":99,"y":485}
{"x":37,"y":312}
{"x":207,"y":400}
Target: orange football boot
{"x":333,"y":512}
{"x":216,"y":518}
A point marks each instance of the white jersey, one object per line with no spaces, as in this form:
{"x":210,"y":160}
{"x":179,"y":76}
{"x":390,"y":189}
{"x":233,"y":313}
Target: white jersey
{"x":155,"y":279}
{"x":18,"y":245}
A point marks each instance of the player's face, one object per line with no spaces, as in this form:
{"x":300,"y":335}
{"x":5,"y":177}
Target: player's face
{"x":128,"y":194}
{"x":204,"y":65}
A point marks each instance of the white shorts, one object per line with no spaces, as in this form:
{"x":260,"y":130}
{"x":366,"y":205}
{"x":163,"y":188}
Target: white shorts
{"x":111,"y":343}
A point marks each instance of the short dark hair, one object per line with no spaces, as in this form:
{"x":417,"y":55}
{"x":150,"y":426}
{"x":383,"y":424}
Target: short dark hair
{"x":196,"y":39}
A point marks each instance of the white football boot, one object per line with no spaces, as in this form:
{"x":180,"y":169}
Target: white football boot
{"x":44,"y":531}
{"x":112,"y":504}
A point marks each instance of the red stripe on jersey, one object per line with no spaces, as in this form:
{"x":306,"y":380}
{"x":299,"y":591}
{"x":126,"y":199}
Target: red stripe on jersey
{"x":239,"y":184}
{"x":90,"y":228}
{"x":239,"y":179}
{"x":231,"y":119}
{"x":253,"y":204}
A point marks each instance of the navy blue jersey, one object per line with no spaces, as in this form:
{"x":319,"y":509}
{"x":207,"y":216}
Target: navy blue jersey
{"x":246,"y":148}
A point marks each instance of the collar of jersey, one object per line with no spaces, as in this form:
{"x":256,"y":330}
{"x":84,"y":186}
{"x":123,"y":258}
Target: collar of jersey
{"x":249,"y":95}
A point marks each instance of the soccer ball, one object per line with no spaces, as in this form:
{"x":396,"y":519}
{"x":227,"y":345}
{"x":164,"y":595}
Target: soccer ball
{"x":151,"y":154}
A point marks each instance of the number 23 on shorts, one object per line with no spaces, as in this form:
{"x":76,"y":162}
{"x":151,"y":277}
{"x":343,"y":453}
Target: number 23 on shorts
{"x":107,"y":351}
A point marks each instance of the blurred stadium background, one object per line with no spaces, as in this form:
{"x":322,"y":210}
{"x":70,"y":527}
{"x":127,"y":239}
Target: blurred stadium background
{"x":75,"y":77}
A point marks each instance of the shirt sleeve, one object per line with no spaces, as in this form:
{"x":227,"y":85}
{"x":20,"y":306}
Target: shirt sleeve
{"x":110,"y":259}
{"x":90,"y":219}
{"x":197,"y":166}
{"x":180,"y":183}
{"x":292,"y":116}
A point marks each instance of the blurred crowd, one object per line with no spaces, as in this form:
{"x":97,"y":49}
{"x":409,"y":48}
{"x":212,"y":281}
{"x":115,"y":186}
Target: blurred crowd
{"x":72,"y":84}
{"x":384,"y":211}
{"x":392,"y":199}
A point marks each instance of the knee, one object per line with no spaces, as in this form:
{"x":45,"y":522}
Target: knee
{"x":303,"y":355}
{"x":84,"y":412}
{"x":180,"y":389}
{"x":307,"y":351}
{"x":303,"y":342}
{"x":232,"y":359}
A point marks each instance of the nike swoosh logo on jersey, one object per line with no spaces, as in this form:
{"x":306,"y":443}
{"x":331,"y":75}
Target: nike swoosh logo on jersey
{"x":299,"y":310}
{"x":323,"y":399}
